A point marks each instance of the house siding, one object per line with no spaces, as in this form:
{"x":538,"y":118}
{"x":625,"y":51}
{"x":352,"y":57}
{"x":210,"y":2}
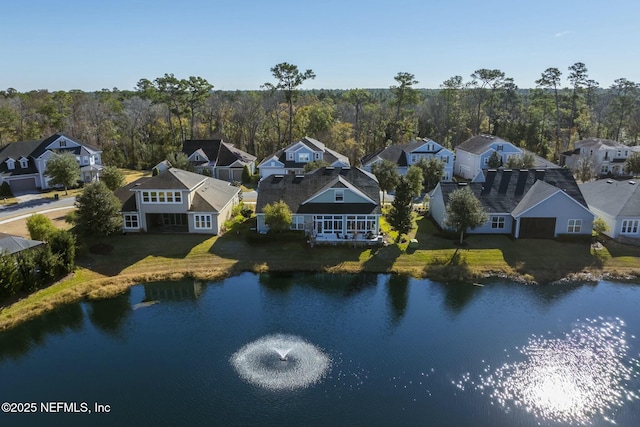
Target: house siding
{"x":349,"y":197}
{"x":563,"y":208}
{"x":487,"y":227}
{"x":437,"y":207}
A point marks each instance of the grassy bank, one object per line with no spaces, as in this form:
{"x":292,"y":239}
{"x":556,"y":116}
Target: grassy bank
{"x":120,"y":261}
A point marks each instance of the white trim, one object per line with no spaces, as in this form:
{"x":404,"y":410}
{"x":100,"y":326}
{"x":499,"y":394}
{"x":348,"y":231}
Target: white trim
{"x":576,"y":227}
{"x":550,"y":196}
{"x":202,"y":221}
{"x":176,"y":197}
{"x":132,"y":218}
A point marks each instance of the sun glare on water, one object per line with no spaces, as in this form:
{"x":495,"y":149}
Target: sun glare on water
{"x":570,"y":380}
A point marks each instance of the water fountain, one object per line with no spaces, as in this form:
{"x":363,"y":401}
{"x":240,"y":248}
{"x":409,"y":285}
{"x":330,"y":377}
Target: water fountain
{"x":280,"y":362}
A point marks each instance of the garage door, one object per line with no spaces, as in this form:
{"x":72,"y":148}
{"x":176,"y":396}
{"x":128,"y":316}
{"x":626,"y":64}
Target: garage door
{"x":223,"y":174}
{"x":22,"y":185}
{"x":537,"y":228}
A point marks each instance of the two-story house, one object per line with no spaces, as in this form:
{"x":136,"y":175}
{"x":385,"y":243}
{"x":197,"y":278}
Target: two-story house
{"x":405,"y":155}
{"x":177,"y":201}
{"x":607,"y":156}
{"x":472,"y":156}
{"x":329,"y":204}
{"x":223,"y":160}
{"x":23,"y":164}
{"x":293,"y":158}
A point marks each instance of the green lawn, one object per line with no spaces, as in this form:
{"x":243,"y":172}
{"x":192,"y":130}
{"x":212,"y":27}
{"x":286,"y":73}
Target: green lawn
{"x":107,"y":268}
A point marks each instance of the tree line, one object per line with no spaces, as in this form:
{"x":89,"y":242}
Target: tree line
{"x":140,"y":127}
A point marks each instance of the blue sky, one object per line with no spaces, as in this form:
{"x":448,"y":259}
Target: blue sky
{"x":90,"y":45}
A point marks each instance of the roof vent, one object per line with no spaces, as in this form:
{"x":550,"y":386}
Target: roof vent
{"x":632,"y":182}
{"x":609,"y":181}
{"x":462,"y":184}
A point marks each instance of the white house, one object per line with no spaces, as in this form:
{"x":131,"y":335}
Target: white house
{"x":293,"y":158}
{"x":472,"y":156}
{"x":608,"y":156}
{"x":23,"y":164}
{"x":405,"y":155}
{"x":617,"y":203}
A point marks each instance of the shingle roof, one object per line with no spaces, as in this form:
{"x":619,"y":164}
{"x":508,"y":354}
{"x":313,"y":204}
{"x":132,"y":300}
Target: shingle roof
{"x":330,"y":156}
{"x":504,"y":189}
{"x":539,"y":191}
{"x":172,"y":179}
{"x":616,"y":198}
{"x":398,"y":153}
{"x":597,"y":143}
{"x":14,"y":244}
{"x":127,"y":197}
{"x":42,"y":148}
{"x":480,"y":143}
{"x":213,"y":195}
{"x":294,"y":190}
{"x":218,"y":151}
{"x":16,"y":151}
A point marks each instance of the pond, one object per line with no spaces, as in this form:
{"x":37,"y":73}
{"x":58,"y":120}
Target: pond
{"x":331,"y":350}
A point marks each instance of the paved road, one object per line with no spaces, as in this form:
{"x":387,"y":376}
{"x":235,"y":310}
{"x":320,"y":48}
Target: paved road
{"x":32,"y":206}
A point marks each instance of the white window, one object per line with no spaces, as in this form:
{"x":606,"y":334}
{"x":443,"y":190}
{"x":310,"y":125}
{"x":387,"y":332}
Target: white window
{"x":414,"y":158}
{"x":303,"y":157}
{"x":24,"y":163}
{"x":629,"y":226}
{"x":339,"y":196}
{"x":575,"y":225}
{"x":316,"y":156}
{"x":202,"y":221}
{"x":85,"y":160}
{"x":289,"y":156}
{"x":604,"y":169}
{"x":197,"y":157}
{"x":11,"y":164}
{"x":161,"y":197}
{"x":500,"y":147}
{"x":131,"y":221}
{"x":297,"y":222}
{"x":497,"y":222}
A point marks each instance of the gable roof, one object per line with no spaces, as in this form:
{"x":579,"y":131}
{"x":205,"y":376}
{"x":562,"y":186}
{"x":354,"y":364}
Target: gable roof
{"x":399,"y":153}
{"x":216,"y":150}
{"x":14,"y":244}
{"x":538,"y":192}
{"x":330,"y":156}
{"x":616,"y":198}
{"x":42,"y":148}
{"x":211,"y":196}
{"x":504,"y":189}
{"x":599,"y":144}
{"x":295,"y":190}
{"x":480,"y":143}
{"x":172,"y":179}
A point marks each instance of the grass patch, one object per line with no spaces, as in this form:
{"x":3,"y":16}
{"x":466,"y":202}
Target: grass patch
{"x":139,"y":258}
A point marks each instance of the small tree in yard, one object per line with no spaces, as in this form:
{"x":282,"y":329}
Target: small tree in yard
{"x":632,"y":164}
{"x":98,"y":211}
{"x":400,"y":216}
{"x":599,"y":227}
{"x":386,"y":174}
{"x":63,"y":169}
{"x":246,"y":175}
{"x":432,"y":171}
{"x":40,"y":227}
{"x":494,"y":161}
{"x":585,"y":169}
{"x":414,"y":177}
{"x":112,"y":177}
{"x":526,"y":161}
{"x":463,"y":211}
{"x":277,"y":216}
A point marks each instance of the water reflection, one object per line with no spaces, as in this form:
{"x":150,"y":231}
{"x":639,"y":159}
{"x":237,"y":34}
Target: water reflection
{"x":572,"y":379}
{"x":458,"y":295}
{"x":398,"y":292}
{"x":110,"y":315}
{"x":173,"y":291}
{"x":18,"y":341}
{"x":331,"y":284}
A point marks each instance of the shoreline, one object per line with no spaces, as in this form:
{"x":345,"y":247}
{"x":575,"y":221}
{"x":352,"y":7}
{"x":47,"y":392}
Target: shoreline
{"x":57,"y":295}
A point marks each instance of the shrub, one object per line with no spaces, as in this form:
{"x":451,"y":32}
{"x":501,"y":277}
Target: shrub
{"x":5,"y":190}
{"x":40,"y":227}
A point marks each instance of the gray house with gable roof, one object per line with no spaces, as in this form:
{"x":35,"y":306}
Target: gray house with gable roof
{"x":223,"y":160}
{"x":617,"y":203}
{"x":23,"y":164}
{"x":293,"y":158}
{"x":525,"y":203}
{"x":177,"y":201}
{"x":328,"y":203}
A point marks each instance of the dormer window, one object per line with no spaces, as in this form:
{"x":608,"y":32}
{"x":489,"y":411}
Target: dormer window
{"x":339,"y":196}
{"x":24,"y":163}
{"x":11,"y":164}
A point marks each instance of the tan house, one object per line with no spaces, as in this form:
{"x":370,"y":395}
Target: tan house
{"x":177,"y":201}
